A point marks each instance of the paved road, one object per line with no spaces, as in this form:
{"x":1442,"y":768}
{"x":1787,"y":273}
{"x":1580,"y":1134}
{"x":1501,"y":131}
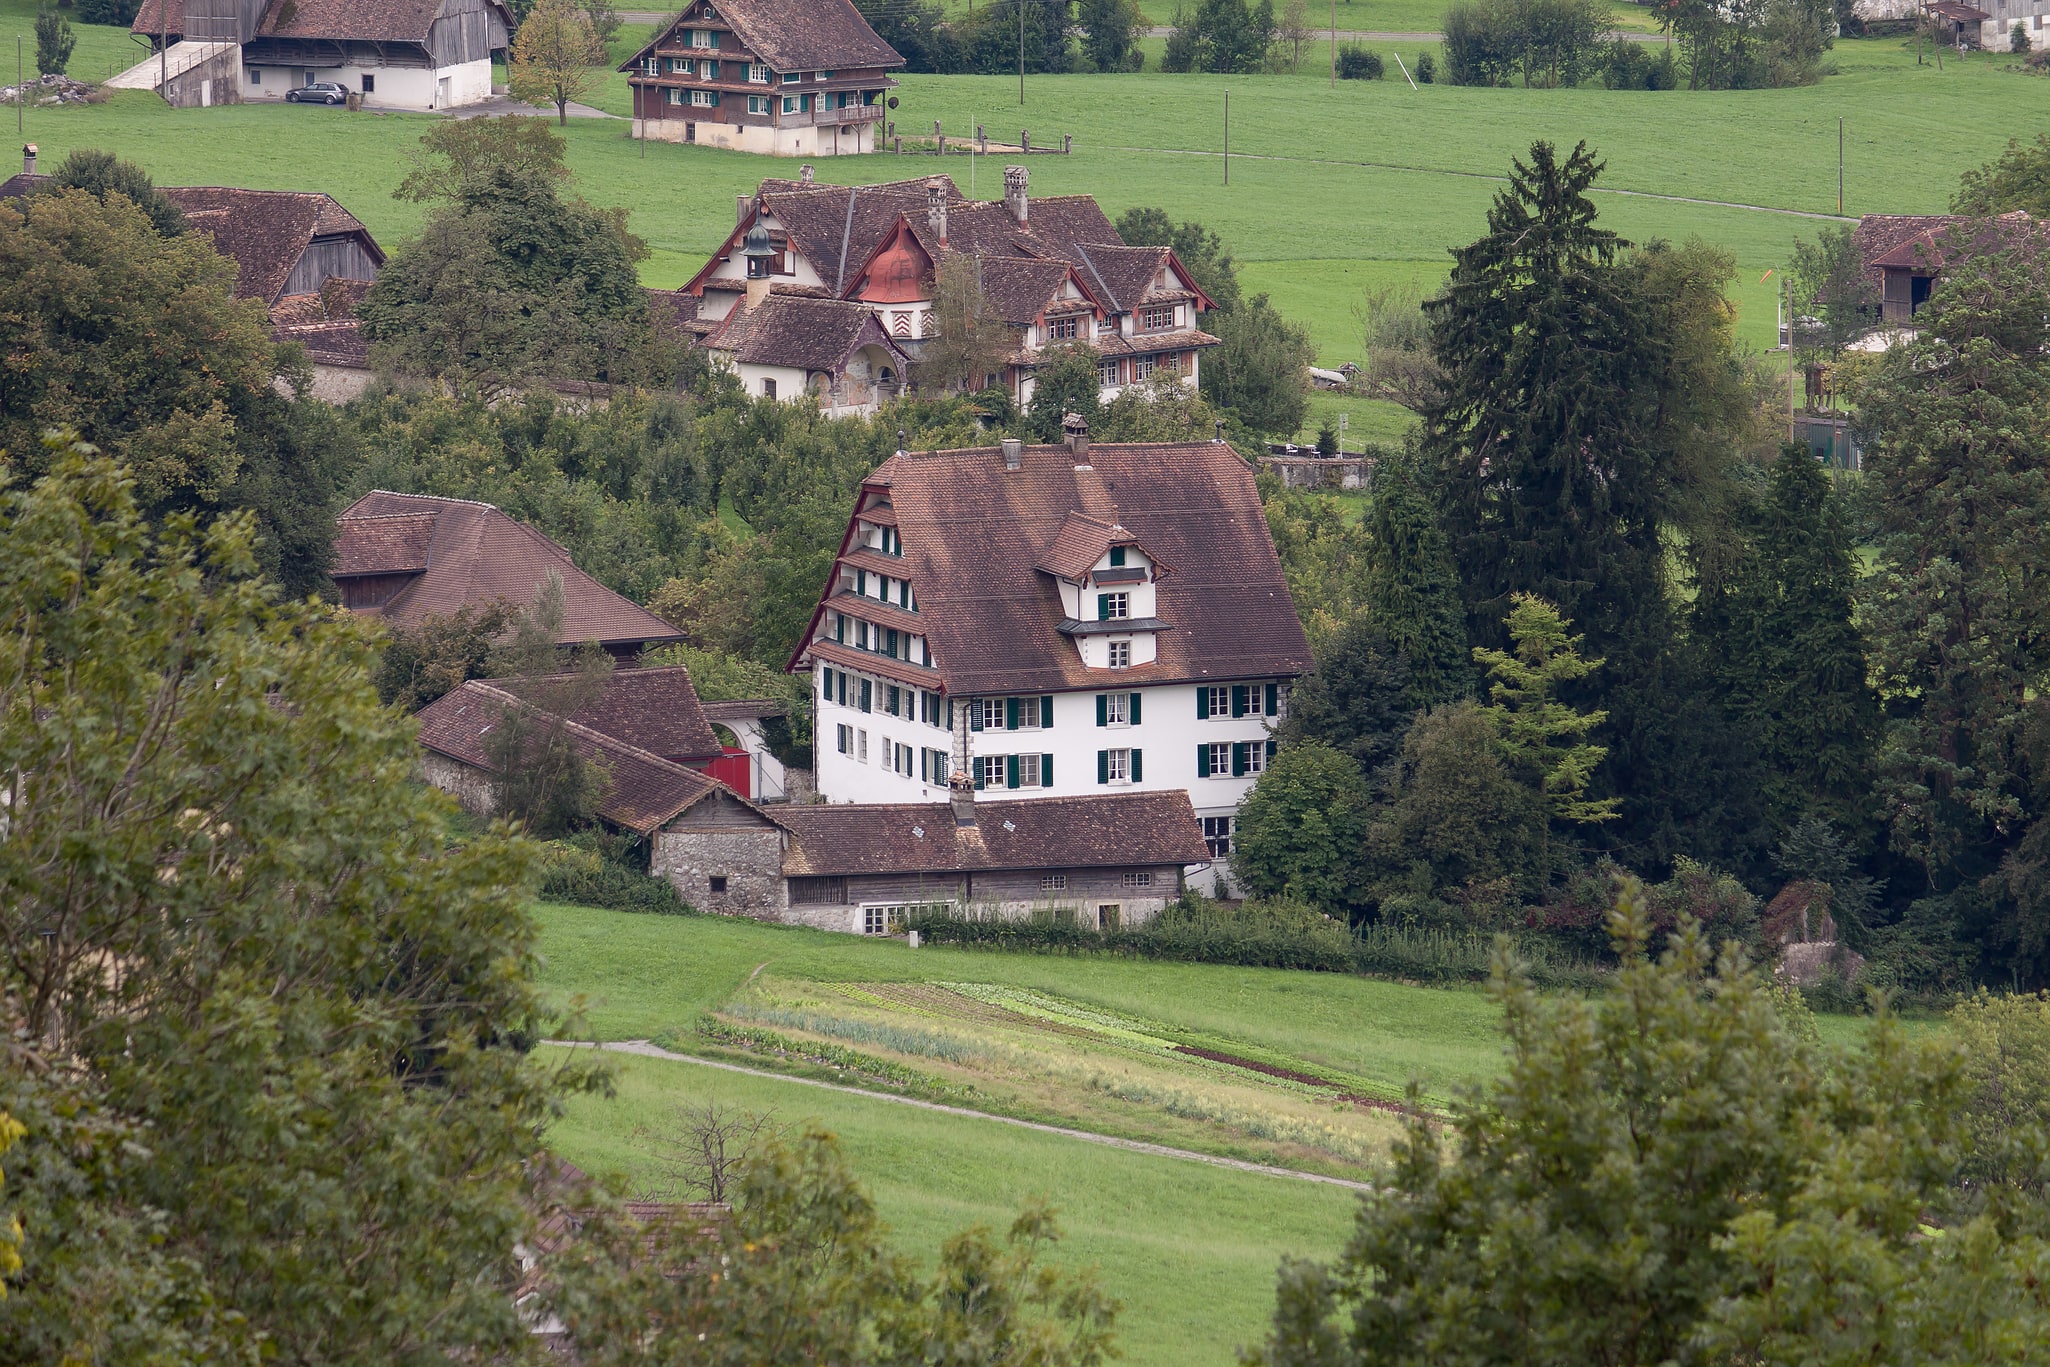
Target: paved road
{"x":644,"y":1049}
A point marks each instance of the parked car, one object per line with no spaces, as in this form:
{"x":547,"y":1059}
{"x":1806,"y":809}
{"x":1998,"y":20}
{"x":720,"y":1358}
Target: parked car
{"x":320,"y":92}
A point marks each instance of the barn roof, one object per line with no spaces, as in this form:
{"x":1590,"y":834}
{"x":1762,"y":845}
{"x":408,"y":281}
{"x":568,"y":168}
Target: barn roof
{"x":1121,"y":830}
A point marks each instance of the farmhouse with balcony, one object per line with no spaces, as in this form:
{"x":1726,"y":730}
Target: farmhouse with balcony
{"x":409,"y":557}
{"x":1905,"y":254}
{"x":1054,"y":621}
{"x":392,"y":54}
{"x":789,"y":78}
{"x":1054,"y":270}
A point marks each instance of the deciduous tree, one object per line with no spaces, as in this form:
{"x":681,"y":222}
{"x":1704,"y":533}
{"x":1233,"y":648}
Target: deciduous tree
{"x":102,"y":173}
{"x":556,"y":57}
{"x":1261,"y":372}
{"x":1198,"y":248}
{"x":54,"y":42}
{"x":459,"y":158}
{"x":1110,"y":33}
{"x":1299,"y":833}
{"x":1068,"y":380}
{"x":2019,"y":178}
{"x":974,"y":342}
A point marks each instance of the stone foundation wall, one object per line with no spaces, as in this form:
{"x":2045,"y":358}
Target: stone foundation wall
{"x":471,"y":787}
{"x":747,"y":861}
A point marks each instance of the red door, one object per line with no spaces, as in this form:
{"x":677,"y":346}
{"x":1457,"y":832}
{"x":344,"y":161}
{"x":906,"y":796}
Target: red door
{"x":733,"y":769}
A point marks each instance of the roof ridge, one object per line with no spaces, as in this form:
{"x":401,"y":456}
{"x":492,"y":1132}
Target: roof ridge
{"x":596,"y":737}
{"x":428,"y":498}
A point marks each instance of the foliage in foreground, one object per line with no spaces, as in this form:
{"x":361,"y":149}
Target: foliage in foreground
{"x":802,"y":1271}
{"x":292,"y":1126}
{"x":1676,"y":1171}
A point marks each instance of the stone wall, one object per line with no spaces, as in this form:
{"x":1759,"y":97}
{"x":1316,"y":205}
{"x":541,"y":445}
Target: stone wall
{"x":723,"y":857}
{"x":470,"y":786}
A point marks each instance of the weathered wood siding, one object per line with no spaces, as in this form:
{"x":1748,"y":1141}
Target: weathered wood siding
{"x":222,"y":21}
{"x":465,"y":31}
{"x":330,"y":258}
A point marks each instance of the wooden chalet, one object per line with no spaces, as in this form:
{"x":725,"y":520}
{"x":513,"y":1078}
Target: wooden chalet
{"x":787,"y":78}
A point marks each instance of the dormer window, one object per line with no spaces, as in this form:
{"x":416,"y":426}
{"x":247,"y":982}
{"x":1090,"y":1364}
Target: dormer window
{"x":1157,"y":319}
{"x":1117,"y":557}
{"x":1120,"y":654}
{"x":1113,"y":607}
{"x":1060,"y":329}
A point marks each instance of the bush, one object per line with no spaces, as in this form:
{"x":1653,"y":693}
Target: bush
{"x":1358,"y":64}
{"x":121,"y":12}
{"x":1272,"y":934}
{"x":1631,"y":66}
{"x":594,"y":870}
{"x":1426,"y":68}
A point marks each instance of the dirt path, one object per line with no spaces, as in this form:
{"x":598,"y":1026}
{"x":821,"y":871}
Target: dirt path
{"x":1366,"y":35}
{"x":644,"y":1049}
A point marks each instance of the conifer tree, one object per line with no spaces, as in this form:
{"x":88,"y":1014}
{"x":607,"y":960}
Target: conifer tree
{"x":1543,"y":739}
{"x":1959,"y":605}
{"x":1412,"y":588}
{"x":1785,"y":656}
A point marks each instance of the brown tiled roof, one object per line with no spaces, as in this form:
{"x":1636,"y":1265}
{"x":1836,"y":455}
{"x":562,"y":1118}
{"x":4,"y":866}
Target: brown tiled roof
{"x":336,"y":344}
{"x":393,"y":544}
{"x":1021,"y":288}
{"x":265,"y":231}
{"x":807,"y":334}
{"x":478,"y":555}
{"x":799,"y":35}
{"x":975,"y":533}
{"x":1122,"y":830}
{"x":1125,"y":273}
{"x":1079,"y":544}
{"x":743,"y":709}
{"x":1054,"y":230}
{"x":16,"y":186}
{"x":837,"y":227}
{"x":655,"y":709}
{"x":367,"y":21}
{"x":149,"y":19}
{"x":645,"y":791}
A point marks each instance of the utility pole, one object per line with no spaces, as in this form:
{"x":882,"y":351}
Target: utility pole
{"x":1227,"y":135}
{"x":1021,"y":51}
{"x":164,"y":48}
{"x":1839,"y":166}
{"x":19,"y":100}
{"x":1334,"y":44}
{"x":1787,"y":288}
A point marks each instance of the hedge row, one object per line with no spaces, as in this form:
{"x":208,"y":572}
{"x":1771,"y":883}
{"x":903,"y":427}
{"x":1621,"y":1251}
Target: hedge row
{"x":1375,"y":951}
{"x":602,"y":883}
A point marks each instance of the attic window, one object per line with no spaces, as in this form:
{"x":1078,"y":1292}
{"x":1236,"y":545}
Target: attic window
{"x":1059,"y":329}
{"x":1117,"y":557}
{"x":1157,"y":319}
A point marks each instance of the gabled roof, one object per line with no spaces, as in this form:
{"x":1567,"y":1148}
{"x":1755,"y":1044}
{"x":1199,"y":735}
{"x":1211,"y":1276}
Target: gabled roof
{"x":1122,"y":830}
{"x":796,"y":35}
{"x":975,"y":534}
{"x":834,"y":227}
{"x":1079,"y":544}
{"x":369,"y":21}
{"x":1924,"y":242}
{"x":644,"y":791}
{"x":1020,"y":289}
{"x":800,"y":332}
{"x":392,"y":544}
{"x":266,"y":231}
{"x":477,"y":555}
{"x":654,"y":709}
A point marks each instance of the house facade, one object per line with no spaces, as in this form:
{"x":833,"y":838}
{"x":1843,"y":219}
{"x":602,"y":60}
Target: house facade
{"x":1054,"y":622}
{"x":1054,"y":271}
{"x":393,"y":54}
{"x":786,"y":78}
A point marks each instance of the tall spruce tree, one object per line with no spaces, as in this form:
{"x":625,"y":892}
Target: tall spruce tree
{"x":1412,"y":589}
{"x":1959,"y":605}
{"x":1785,"y":656}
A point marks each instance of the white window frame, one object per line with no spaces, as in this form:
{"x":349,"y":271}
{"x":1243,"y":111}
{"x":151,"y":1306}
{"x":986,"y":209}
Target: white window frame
{"x":757,"y":73}
{"x":793,"y":78}
{"x":1151,"y":318}
{"x":758,"y":104}
{"x":1256,"y":757}
{"x":992,"y":713}
{"x":1118,"y":653}
{"x":1220,"y":758}
{"x":1053,"y":882}
{"x":1107,"y":372}
{"x":1220,"y":701}
{"x":1217,"y":835}
{"x":1028,"y":771}
{"x":1116,"y":607}
{"x":990,"y":769}
{"x":704,"y":99}
{"x":1117,"y":709}
{"x":1070,"y":322}
{"x":1136,"y":880}
{"x":860,"y":747}
{"x":1118,"y":765}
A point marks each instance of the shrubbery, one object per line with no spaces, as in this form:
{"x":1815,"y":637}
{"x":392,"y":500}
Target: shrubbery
{"x":1359,"y":64}
{"x":595,"y":870}
{"x":1271,"y":934}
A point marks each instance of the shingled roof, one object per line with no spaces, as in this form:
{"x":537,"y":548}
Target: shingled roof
{"x":266,"y":231}
{"x":477,"y":555}
{"x":1122,"y":830}
{"x":655,"y":709}
{"x":643,"y":792}
{"x":975,"y":534}
{"x":800,"y":332}
{"x":365,"y":21}
{"x":797,"y":35}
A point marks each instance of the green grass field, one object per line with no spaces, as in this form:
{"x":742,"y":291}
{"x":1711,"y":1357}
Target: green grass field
{"x":1190,"y":1249}
{"x":1331,"y":191}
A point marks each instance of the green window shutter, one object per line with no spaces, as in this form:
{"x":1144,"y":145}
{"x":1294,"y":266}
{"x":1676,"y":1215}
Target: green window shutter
{"x":1135,"y":709}
{"x":1103,"y":709}
{"x":1010,"y":714}
{"x":1117,"y":557}
{"x":1046,"y":711}
{"x":1238,"y":700}
{"x":1103,"y":766}
{"x":1010,"y":771}
{"x":975,"y":715}
{"x":1271,"y":747}
{"x":1202,"y":703}
{"x":1103,"y":607}
{"x":1273,"y":699}
{"x":865,"y":696}
{"x":1138,"y":767}
{"x":1046,"y":771}
{"x":1202,"y":761}
{"x":978,"y":774}
{"x":1239,"y":759}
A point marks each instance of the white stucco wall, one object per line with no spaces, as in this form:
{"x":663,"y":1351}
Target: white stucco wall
{"x":394,"y":87}
{"x":824,"y":140}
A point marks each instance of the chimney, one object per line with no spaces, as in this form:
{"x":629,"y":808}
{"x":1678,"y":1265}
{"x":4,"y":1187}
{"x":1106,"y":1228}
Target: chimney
{"x":1219,"y":438}
{"x":806,"y":174}
{"x":741,"y":204}
{"x":961,"y":794}
{"x":1016,"y":178}
{"x":1076,"y":429}
{"x":936,"y":208}
{"x":28,"y":158}
{"x":757,"y":291}
{"x":1014,"y":452}
{"x":902,"y":436}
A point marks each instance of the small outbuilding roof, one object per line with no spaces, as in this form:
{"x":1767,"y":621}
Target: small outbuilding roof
{"x":1122,"y":830}
{"x":655,"y":709}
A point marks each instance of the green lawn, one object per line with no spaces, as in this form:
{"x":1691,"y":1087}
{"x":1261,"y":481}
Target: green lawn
{"x":1190,"y":1249}
{"x":1331,"y":191}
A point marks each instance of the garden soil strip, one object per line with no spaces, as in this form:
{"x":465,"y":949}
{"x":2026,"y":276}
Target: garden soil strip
{"x":645,"y":1049}
{"x":1290,"y":1075}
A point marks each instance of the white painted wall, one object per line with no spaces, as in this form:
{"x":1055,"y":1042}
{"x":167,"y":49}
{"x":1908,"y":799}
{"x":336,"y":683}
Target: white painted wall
{"x":394,"y":87}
